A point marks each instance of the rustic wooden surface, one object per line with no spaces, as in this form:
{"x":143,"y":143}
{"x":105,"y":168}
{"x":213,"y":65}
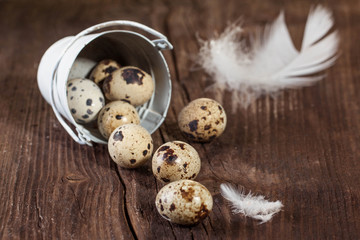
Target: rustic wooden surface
{"x":302,"y":148}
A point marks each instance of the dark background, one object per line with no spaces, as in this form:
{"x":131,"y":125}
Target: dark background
{"x":301,"y":148}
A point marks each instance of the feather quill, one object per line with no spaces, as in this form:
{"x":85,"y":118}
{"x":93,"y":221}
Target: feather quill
{"x":270,"y":62}
{"x":250,"y":205}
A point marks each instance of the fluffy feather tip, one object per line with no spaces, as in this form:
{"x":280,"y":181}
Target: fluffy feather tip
{"x":256,"y":207}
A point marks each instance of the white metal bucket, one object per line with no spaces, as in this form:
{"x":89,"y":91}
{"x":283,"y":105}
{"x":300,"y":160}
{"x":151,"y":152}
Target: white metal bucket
{"x":75,"y":56}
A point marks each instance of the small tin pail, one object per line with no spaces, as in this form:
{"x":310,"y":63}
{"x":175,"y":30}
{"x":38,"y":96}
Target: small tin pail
{"x":75,"y":57}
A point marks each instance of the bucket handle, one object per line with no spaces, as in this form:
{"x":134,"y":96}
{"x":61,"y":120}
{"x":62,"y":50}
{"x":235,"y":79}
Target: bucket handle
{"x":162,"y":43}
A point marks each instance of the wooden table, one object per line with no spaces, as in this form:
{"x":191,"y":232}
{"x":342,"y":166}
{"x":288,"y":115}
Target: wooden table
{"x":302,"y":148}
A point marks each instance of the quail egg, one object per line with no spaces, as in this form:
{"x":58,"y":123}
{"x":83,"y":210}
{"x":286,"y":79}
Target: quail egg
{"x":130,"y":145}
{"x":175,"y":160}
{"x":184,"y":202}
{"x":85,"y":99}
{"x":115,"y":114}
{"x":130,"y":84}
{"x":103,"y":69}
{"x":202,"y":120}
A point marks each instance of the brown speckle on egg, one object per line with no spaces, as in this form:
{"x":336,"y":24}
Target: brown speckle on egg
{"x":169,"y":156}
{"x":207,"y":127}
{"x":103,"y":69}
{"x":133,"y":76}
{"x":118,"y":136}
{"x":181,"y":145}
{"x":109,"y":69}
{"x":202,"y":213}
{"x":163,"y":148}
{"x":172,"y":207}
{"x":187,"y":195}
{"x":193,"y":125}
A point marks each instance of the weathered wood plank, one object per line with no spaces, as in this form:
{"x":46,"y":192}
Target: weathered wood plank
{"x":301,"y":147}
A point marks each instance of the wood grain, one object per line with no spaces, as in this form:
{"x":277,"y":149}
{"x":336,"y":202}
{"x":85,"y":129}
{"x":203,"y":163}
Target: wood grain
{"x":302,"y":147}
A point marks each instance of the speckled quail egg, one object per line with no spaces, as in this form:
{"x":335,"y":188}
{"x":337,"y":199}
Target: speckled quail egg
{"x":130,"y":145}
{"x":130,"y":84}
{"x":202,"y":120}
{"x":175,"y":160}
{"x":85,"y":99}
{"x":115,"y":114}
{"x":184,"y":202}
{"x":103,"y":69}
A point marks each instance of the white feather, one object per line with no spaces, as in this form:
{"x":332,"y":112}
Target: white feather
{"x":250,"y":205}
{"x":270,"y":62}
{"x":321,"y":22}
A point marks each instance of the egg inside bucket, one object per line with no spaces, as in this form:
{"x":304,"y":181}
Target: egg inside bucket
{"x":127,"y":48}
